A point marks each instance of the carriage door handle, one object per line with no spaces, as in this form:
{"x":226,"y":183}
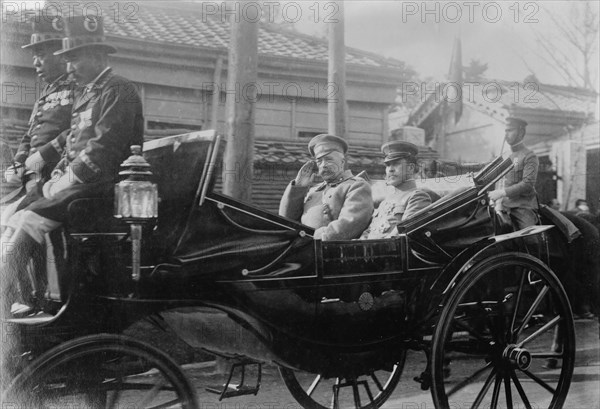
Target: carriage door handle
{"x":326,"y":300}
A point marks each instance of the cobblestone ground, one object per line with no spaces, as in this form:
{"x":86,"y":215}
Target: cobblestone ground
{"x":584,"y":392}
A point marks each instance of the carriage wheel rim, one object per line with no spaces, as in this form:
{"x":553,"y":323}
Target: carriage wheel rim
{"x":510,"y":362}
{"x":380,"y":391}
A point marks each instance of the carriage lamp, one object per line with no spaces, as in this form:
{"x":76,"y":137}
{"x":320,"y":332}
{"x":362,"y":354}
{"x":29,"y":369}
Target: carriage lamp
{"x":136,"y":201}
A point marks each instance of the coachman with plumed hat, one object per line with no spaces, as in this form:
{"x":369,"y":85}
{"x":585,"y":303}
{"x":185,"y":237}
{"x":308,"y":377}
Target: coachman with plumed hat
{"x":106,"y":120}
{"x":84,"y":32}
{"x":51,"y":116}
{"x":46,"y":31}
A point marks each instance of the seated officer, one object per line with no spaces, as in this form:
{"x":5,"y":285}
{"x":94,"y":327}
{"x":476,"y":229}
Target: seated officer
{"x":405,"y":199}
{"x":340,"y":207}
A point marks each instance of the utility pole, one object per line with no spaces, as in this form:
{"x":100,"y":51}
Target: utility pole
{"x":239,"y":109}
{"x":336,"y":75}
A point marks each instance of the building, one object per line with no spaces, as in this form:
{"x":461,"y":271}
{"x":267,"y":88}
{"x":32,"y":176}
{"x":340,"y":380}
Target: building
{"x":562,"y":131}
{"x":178,"y":57}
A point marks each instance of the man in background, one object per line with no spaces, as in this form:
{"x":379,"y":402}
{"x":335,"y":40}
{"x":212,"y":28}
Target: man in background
{"x":517,"y":198}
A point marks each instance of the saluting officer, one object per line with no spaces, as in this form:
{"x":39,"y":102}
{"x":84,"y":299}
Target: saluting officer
{"x":51,"y":113}
{"x":106,"y":120}
{"x":340,"y":207}
{"x":518,"y":198}
{"x":403,"y":199}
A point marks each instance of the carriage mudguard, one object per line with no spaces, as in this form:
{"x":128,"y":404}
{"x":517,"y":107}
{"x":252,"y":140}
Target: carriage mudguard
{"x":456,"y":268}
{"x":564,"y":225}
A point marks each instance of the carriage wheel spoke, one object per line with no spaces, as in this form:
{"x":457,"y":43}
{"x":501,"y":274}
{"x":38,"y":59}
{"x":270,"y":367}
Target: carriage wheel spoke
{"x":467,"y":381}
{"x":114,"y":396}
{"x":532,"y":309}
{"x":313,"y":385}
{"x":151,"y":394}
{"x":540,"y":382}
{"x":357,"y":403}
{"x":334,"y":398}
{"x":550,"y":324}
{"x":484,"y":389}
{"x":376,"y":381}
{"x":496,"y":392}
{"x":517,"y":303}
{"x":520,"y":390}
{"x":509,"y":403}
{"x":559,"y":355}
{"x":166,"y":404}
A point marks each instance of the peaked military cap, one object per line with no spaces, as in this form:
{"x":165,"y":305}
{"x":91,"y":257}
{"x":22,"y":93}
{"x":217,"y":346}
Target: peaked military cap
{"x":323,"y":144}
{"x":84,"y":32}
{"x":46,"y":31}
{"x":515,"y":122}
{"x":395,"y":150}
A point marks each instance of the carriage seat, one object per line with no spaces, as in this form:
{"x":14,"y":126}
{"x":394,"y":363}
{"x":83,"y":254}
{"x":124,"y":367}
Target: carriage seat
{"x":93,"y":216}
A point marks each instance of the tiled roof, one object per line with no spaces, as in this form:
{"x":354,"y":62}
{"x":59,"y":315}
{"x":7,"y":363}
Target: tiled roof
{"x":514,"y":95}
{"x":184,"y":24}
{"x":537,"y":96}
{"x":295,"y":153}
{"x":188,"y":26}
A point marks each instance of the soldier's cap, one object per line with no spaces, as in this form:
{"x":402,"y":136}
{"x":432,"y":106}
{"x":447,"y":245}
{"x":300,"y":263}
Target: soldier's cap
{"x":46,"y":31}
{"x":84,"y":32}
{"x":395,"y":150}
{"x":513,"y":122}
{"x":324,"y":144}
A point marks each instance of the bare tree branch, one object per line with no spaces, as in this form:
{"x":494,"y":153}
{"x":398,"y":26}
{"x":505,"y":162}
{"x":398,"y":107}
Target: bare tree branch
{"x":571,"y":50}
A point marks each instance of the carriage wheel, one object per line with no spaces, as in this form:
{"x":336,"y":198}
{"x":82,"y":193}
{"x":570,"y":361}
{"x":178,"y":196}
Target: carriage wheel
{"x":102,"y":371}
{"x":507,"y":333}
{"x":370,"y":391}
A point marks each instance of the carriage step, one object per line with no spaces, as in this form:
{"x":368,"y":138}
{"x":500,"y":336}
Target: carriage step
{"x":230,"y":390}
{"x":355,"y":391}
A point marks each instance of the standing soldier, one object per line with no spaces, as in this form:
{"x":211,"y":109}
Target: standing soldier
{"x":341,"y":206}
{"x":51,"y":113}
{"x":405,"y":200}
{"x":518,"y":198}
{"x":106,"y":120}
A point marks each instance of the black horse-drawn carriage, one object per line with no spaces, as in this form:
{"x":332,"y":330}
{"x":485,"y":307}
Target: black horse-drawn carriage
{"x":336,"y":317}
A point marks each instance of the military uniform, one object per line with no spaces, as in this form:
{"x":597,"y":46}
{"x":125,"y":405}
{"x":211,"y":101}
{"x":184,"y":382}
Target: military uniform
{"x":518,"y":198}
{"x":51,"y":115}
{"x":519,"y":183}
{"x":402,"y":203}
{"x":106,"y":120}
{"x":338,"y":210}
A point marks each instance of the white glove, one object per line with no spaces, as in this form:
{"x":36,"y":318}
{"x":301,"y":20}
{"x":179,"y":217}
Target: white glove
{"x":14,"y":173}
{"x":306,"y":174}
{"x":35,"y":162}
{"x":496,"y":194}
{"x":58,"y":182}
